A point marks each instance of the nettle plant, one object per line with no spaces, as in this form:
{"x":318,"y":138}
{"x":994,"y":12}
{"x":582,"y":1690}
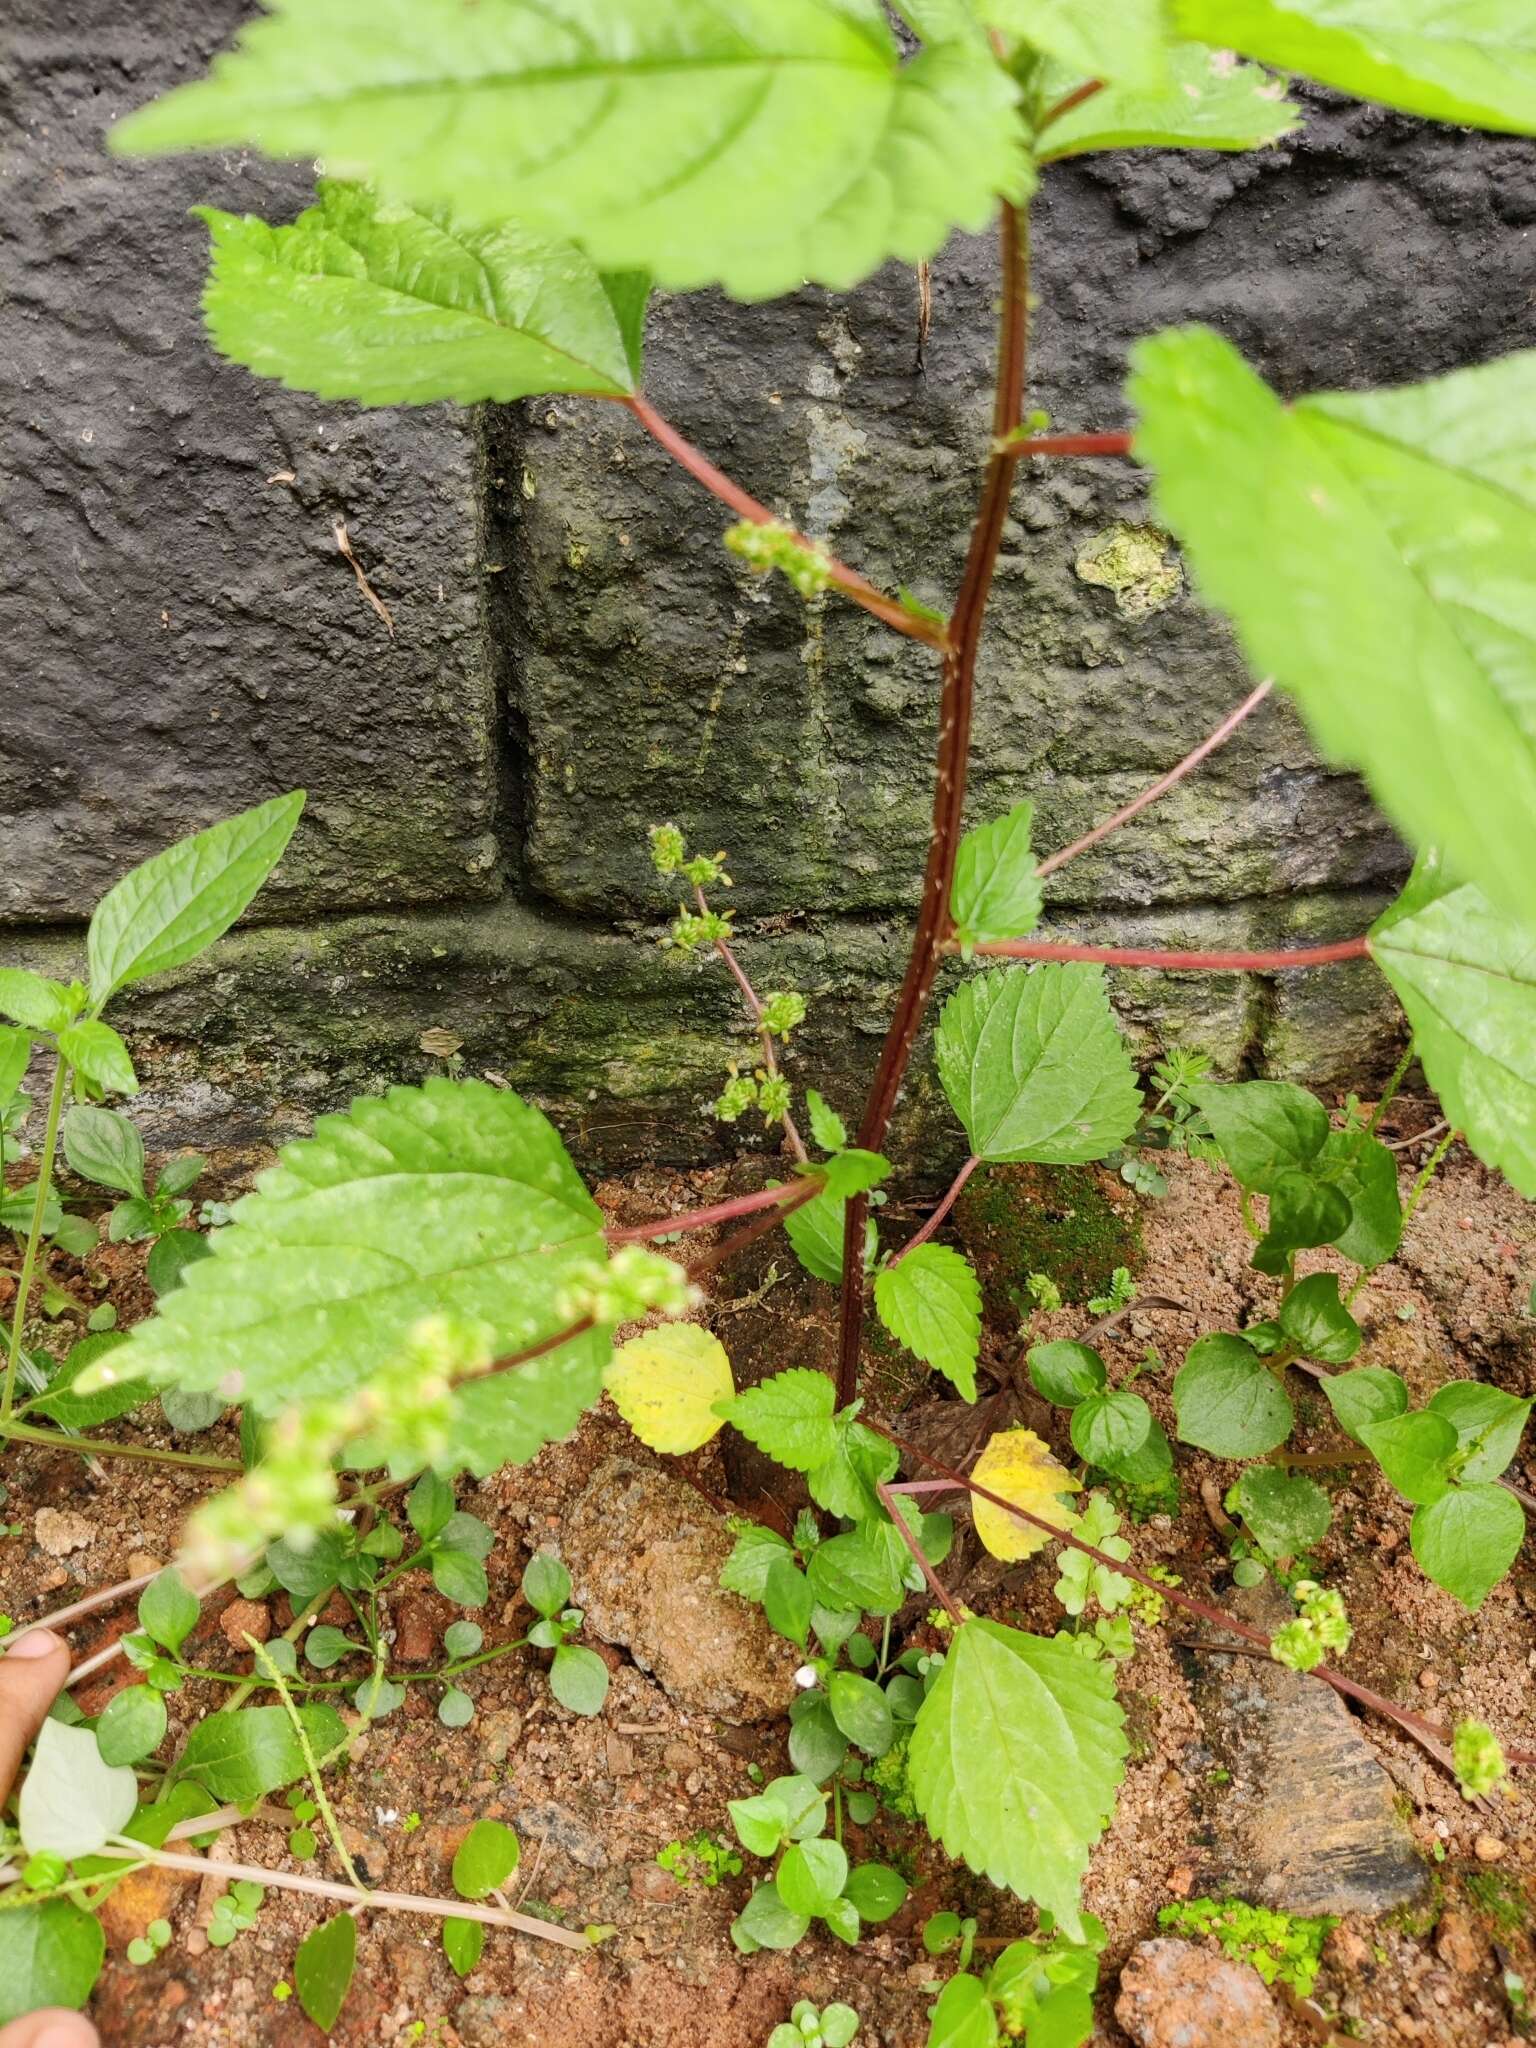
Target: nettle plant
{"x":426,"y":1286}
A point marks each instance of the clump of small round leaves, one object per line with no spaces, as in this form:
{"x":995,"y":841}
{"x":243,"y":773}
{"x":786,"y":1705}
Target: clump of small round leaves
{"x":736,"y":1098}
{"x":1478,"y":1757}
{"x":668,"y":849}
{"x":769,"y":545}
{"x":706,"y":868}
{"x":832,"y":2026}
{"x":1321,"y":1626}
{"x":691,"y":929}
{"x":783,"y":1011}
{"x":772,"y":1097}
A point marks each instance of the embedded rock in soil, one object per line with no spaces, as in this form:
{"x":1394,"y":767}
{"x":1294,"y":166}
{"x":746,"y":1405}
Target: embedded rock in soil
{"x":1306,"y":1822}
{"x":1176,"y":1995}
{"x":644,"y":1552}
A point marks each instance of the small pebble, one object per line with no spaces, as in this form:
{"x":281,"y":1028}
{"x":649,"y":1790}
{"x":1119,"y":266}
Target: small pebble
{"x":59,"y":1531}
{"x":1489,"y":1849}
{"x":1429,"y":1680}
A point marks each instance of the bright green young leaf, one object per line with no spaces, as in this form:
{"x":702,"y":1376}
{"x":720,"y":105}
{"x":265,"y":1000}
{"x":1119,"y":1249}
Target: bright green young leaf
{"x":49,"y":1955}
{"x":827,"y":1127}
{"x":1468,"y":1539}
{"x":844,"y":1483}
{"x":241,"y":1757}
{"x":811,"y":1876}
{"x":930,"y":1300}
{"x":1035,"y":1067}
{"x":815,"y":1233}
{"x":758,"y":1823}
{"x":1286,"y":1512}
{"x":1319,"y":1325}
{"x":859,"y":1570}
{"x":72,"y":1799}
{"x":1207,"y":102}
{"x":307,"y":1572}
{"x":1109,"y":1427}
{"x":99,"y":1056}
{"x":964,"y":2017}
{"x":170,"y":1256}
{"x":546,"y":1584}
{"x":72,"y":1411}
{"x":789,"y":1418}
{"x":1120,"y":39}
{"x":1488,"y":1423}
{"x":463,"y":1944}
{"x":460,"y":1578}
{"x":429,"y":1506}
{"x":756,"y":1552}
{"x":168,"y":1609}
{"x":802,"y":1805}
{"x":454,"y":1198}
{"x":175,"y":905}
{"x":854,"y":1171}
{"x":323,"y":1966}
{"x":1466,"y":975}
{"x":15,"y":1057}
{"x":104,"y":1147}
{"x":996,"y":892}
{"x":818,"y":1749}
{"x":1303,"y":1211}
{"x":34,"y":1000}
{"x":578,"y":1678}
{"x":1228,"y":1402}
{"x":1065,"y":1372}
{"x":1364,"y":1172}
{"x":786,"y":141}
{"x":1389,"y":537}
{"x":1415,"y":1452}
{"x":485,"y":1859}
{"x":1266,"y":1129}
{"x":365,"y":298}
{"x":766,"y":1922}
{"x":861,"y":1711}
{"x":668,"y":1384}
{"x":1468,"y":61}
{"x":788,"y":1601}
{"x":877,"y":1892}
{"x":132,"y":1725}
{"x":1015,"y":1760}
{"x":1368,"y":1394}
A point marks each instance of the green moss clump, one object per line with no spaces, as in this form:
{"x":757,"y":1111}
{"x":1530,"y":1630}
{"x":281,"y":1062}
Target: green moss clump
{"x":1284,"y":1948}
{"x":1075,"y":1224}
{"x":1501,"y":1900}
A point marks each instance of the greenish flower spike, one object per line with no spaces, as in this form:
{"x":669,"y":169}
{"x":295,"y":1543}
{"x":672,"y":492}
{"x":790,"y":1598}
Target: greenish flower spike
{"x":634,"y":1282}
{"x":1321,"y":1626}
{"x":783,"y":1012}
{"x":704,"y":869}
{"x":668,"y":849}
{"x":690,"y":930}
{"x":772,"y":1097}
{"x":736,"y":1098}
{"x":1478,"y":1757}
{"x":772,"y":546}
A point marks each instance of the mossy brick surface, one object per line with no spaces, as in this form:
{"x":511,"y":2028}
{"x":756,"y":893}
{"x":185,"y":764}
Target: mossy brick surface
{"x":1074,"y":1224}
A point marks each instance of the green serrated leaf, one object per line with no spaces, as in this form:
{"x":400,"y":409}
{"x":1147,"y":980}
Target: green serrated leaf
{"x":1468,"y":1539}
{"x":784,"y":142}
{"x":1015,"y":1759}
{"x":854,"y":1172}
{"x":1120,"y":39}
{"x":1466,"y":975}
{"x":827,"y":1127}
{"x":1387,"y":536}
{"x":15,"y":1057}
{"x":930,"y":1300}
{"x":74,"y":1411}
{"x":753,"y":1556}
{"x":815,"y":1233}
{"x":1468,"y":61}
{"x":1228,"y":1402}
{"x":99,"y":1056}
{"x":996,"y":892}
{"x":1034,"y":1065}
{"x":455,"y":1197}
{"x":174,"y":906}
{"x":789,"y":1418}
{"x":1207,"y":102}
{"x":369,"y":299}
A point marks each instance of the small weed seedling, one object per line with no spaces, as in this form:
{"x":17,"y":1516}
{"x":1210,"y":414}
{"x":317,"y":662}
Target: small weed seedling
{"x":833,"y":2026}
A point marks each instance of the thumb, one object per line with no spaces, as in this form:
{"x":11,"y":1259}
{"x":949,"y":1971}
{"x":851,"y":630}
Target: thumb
{"x":53,"y":2029}
{"x":31,"y":1673}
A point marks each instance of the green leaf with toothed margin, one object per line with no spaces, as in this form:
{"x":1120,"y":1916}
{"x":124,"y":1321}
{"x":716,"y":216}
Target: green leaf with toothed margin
{"x":1125,"y":40}
{"x":371,"y":299}
{"x":930,"y":1300}
{"x":1206,"y":102}
{"x":996,"y":892}
{"x":755,"y":147}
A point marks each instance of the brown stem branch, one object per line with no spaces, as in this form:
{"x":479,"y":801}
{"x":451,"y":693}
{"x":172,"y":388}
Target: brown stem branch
{"x":1069,"y":103}
{"x":949,"y":1201}
{"x":1180,"y":963}
{"x":717,"y":1212}
{"x":1074,"y":444}
{"x":936,"y":1586}
{"x":1161,"y":787}
{"x":1414,"y":1724}
{"x":750,"y":997}
{"x":888,"y":610}
{"x":954,"y":744}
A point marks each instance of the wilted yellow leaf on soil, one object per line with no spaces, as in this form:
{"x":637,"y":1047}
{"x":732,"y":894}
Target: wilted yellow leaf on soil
{"x":1019,"y":1467}
{"x":665,"y":1384}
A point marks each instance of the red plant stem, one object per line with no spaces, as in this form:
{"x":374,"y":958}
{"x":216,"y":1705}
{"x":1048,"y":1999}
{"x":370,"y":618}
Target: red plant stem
{"x":848,"y":581}
{"x":1180,"y":963}
{"x":1069,"y":103}
{"x":1160,"y":788}
{"x":941,"y":1212}
{"x":954,"y":745}
{"x":1074,"y":444}
{"x":1415,"y":1724}
{"x":708,"y":1261}
{"x":936,"y":1586}
{"x":765,"y":1036}
{"x":717,"y":1212}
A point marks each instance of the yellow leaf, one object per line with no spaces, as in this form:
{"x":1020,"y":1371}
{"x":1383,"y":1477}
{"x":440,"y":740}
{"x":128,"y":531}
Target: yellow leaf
{"x":1017,"y":1466}
{"x":665,"y":1385}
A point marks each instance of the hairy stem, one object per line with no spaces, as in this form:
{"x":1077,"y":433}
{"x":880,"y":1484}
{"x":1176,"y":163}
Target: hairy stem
{"x":765,"y":1037}
{"x":34,"y":1233}
{"x":717,"y":1212}
{"x":852,"y":585}
{"x":1161,"y":787}
{"x":922,"y":1236}
{"x":1180,"y":963}
{"x":954,"y":745}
